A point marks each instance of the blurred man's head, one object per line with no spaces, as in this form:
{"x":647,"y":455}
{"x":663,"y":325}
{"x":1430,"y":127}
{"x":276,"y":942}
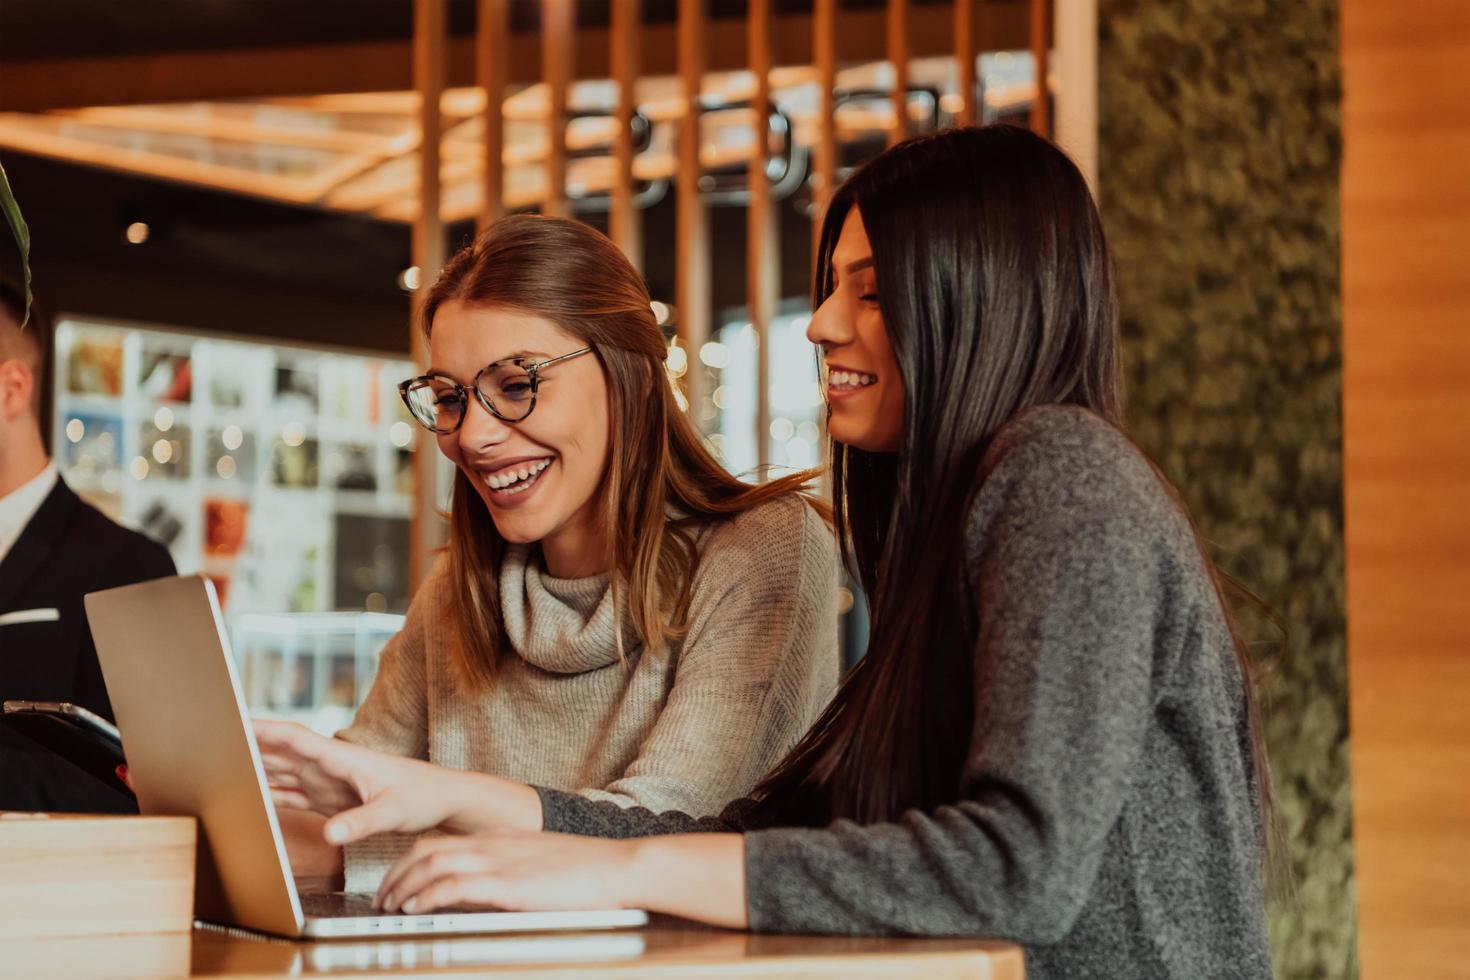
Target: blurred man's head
{"x":22,"y":375}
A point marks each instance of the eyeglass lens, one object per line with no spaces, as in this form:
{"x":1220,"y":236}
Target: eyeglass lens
{"x":439,"y":403}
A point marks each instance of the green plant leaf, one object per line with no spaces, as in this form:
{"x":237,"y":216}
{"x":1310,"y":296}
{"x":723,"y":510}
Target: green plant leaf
{"x":22,"y":239}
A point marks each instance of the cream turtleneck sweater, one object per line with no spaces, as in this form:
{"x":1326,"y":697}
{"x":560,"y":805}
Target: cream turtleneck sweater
{"x":686,"y":730}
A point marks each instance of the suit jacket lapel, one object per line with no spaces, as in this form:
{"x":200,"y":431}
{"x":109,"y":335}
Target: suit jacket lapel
{"x":36,"y":542}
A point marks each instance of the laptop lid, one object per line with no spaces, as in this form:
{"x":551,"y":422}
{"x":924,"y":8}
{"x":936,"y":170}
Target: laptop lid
{"x":191,"y":752}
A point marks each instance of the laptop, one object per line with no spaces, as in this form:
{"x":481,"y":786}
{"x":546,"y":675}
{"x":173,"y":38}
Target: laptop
{"x":191,"y":752}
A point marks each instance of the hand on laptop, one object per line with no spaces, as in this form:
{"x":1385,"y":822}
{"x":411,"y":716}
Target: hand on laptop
{"x":696,"y":876}
{"x":363,"y":792}
{"x":509,"y":871}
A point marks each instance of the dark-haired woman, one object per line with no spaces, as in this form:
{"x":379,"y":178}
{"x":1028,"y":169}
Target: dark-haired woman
{"x":1052,"y":737}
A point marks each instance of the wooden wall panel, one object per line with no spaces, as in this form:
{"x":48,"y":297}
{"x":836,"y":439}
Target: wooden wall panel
{"x":1406,"y":325}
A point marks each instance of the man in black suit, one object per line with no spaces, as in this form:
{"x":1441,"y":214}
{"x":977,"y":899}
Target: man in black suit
{"x":54,"y":549}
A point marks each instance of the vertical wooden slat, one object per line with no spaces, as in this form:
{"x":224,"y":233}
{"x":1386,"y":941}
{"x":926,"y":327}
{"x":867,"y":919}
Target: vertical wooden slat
{"x":692,"y":293}
{"x":557,"y":23}
{"x":624,"y":222}
{"x":898,"y":57}
{"x":964,"y":61}
{"x":492,"y":33}
{"x":1075,"y":115}
{"x":762,"y":258}
{"x":430,"y":44}
{"x":1041,"y":56}
{"x":824,"y":162}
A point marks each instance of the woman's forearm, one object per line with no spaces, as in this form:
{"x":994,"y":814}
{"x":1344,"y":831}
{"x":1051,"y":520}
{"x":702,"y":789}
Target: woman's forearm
{"x":481,"y":802}
{"x":694,"y":876}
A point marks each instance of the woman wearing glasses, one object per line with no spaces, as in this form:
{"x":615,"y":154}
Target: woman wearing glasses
{"x":1052,"y":738}
{"x":614,"y":614}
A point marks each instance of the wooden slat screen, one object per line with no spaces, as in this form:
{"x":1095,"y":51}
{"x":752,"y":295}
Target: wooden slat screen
{"x":762,"y":253}
{"x":898,"y":57}
{"x":430,"y":33}
{"x":691,"y":232}
{"x":1041,"y":54}
{"x":685,"y":141}
{"x":624,"y":224}
{"x":964,"y":59}
{"x":557,"y":23}
{"x":492,"y":60}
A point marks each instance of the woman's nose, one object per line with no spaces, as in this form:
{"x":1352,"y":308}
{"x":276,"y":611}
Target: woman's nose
{"x":481,"y":427}
{"x":826,"y":328}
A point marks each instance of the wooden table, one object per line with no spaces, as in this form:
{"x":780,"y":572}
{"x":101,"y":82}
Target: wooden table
{"x":667,"y":948}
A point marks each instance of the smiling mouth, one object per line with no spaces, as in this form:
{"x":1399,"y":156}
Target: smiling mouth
{"x":850,"y":380}
{"x":515,"y":479}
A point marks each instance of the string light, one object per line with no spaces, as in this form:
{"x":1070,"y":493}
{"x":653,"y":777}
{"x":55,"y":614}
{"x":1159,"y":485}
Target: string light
{"x":715,"y":354}
{"x":678,"y":362}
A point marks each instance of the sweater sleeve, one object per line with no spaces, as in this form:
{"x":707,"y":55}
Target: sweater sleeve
{"x":757,"y":666}
{"x":393,"y":719}
{"x":570,"y":813}
{"x":1064,"y":581}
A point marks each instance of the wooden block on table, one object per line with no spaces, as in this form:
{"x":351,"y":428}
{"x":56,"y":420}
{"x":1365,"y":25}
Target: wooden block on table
{"x":78,"y":875}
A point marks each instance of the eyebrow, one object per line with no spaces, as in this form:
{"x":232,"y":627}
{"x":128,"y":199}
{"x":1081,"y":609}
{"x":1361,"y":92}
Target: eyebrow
{"x":513,"y":355}
{"x":852,"y":267}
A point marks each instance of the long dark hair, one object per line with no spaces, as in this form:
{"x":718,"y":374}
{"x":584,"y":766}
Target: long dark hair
{"x":996,"y":292}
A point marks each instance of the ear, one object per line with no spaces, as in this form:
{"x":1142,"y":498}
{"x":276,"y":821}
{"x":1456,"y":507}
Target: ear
{"x":17,"y":385}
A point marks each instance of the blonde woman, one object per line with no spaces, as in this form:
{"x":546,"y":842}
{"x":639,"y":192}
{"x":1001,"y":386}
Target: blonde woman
{"x":615,"y":615}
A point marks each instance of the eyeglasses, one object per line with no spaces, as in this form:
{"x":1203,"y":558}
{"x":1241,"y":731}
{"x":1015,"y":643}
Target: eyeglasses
{"x":506,"y":388}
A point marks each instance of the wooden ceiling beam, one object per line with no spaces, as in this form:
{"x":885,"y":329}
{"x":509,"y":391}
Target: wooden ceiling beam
{"x":377,"y":66}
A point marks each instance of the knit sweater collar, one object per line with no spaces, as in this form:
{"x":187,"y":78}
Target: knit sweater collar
{"x":562,"y":625}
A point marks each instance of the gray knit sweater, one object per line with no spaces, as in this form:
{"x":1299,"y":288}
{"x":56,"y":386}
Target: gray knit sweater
{"x":1109,"y":816}
{"x":687,"y":729}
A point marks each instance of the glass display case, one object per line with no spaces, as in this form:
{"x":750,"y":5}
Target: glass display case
{"x":314,"y":668}
{"x":283,"y":473}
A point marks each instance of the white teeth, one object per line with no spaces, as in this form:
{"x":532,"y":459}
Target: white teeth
{"x":850,"y":379}
{"x":506,"y":480}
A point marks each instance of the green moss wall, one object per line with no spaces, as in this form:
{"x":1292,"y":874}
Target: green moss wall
{"x":1218,"y":179}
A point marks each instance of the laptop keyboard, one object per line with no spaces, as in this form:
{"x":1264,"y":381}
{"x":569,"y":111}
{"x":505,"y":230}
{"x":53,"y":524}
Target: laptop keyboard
{"x":340,"y":905}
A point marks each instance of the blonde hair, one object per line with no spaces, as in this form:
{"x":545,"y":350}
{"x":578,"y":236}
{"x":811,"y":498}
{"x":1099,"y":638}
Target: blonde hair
{"x":662,"y":484}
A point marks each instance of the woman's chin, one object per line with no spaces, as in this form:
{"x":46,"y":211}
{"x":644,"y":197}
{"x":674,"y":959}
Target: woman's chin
{"x":865,"y":436}
{"x":518,"y":527}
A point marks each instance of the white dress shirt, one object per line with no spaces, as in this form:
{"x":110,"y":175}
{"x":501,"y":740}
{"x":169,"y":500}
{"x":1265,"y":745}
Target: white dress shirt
{"x":20,"y":505}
